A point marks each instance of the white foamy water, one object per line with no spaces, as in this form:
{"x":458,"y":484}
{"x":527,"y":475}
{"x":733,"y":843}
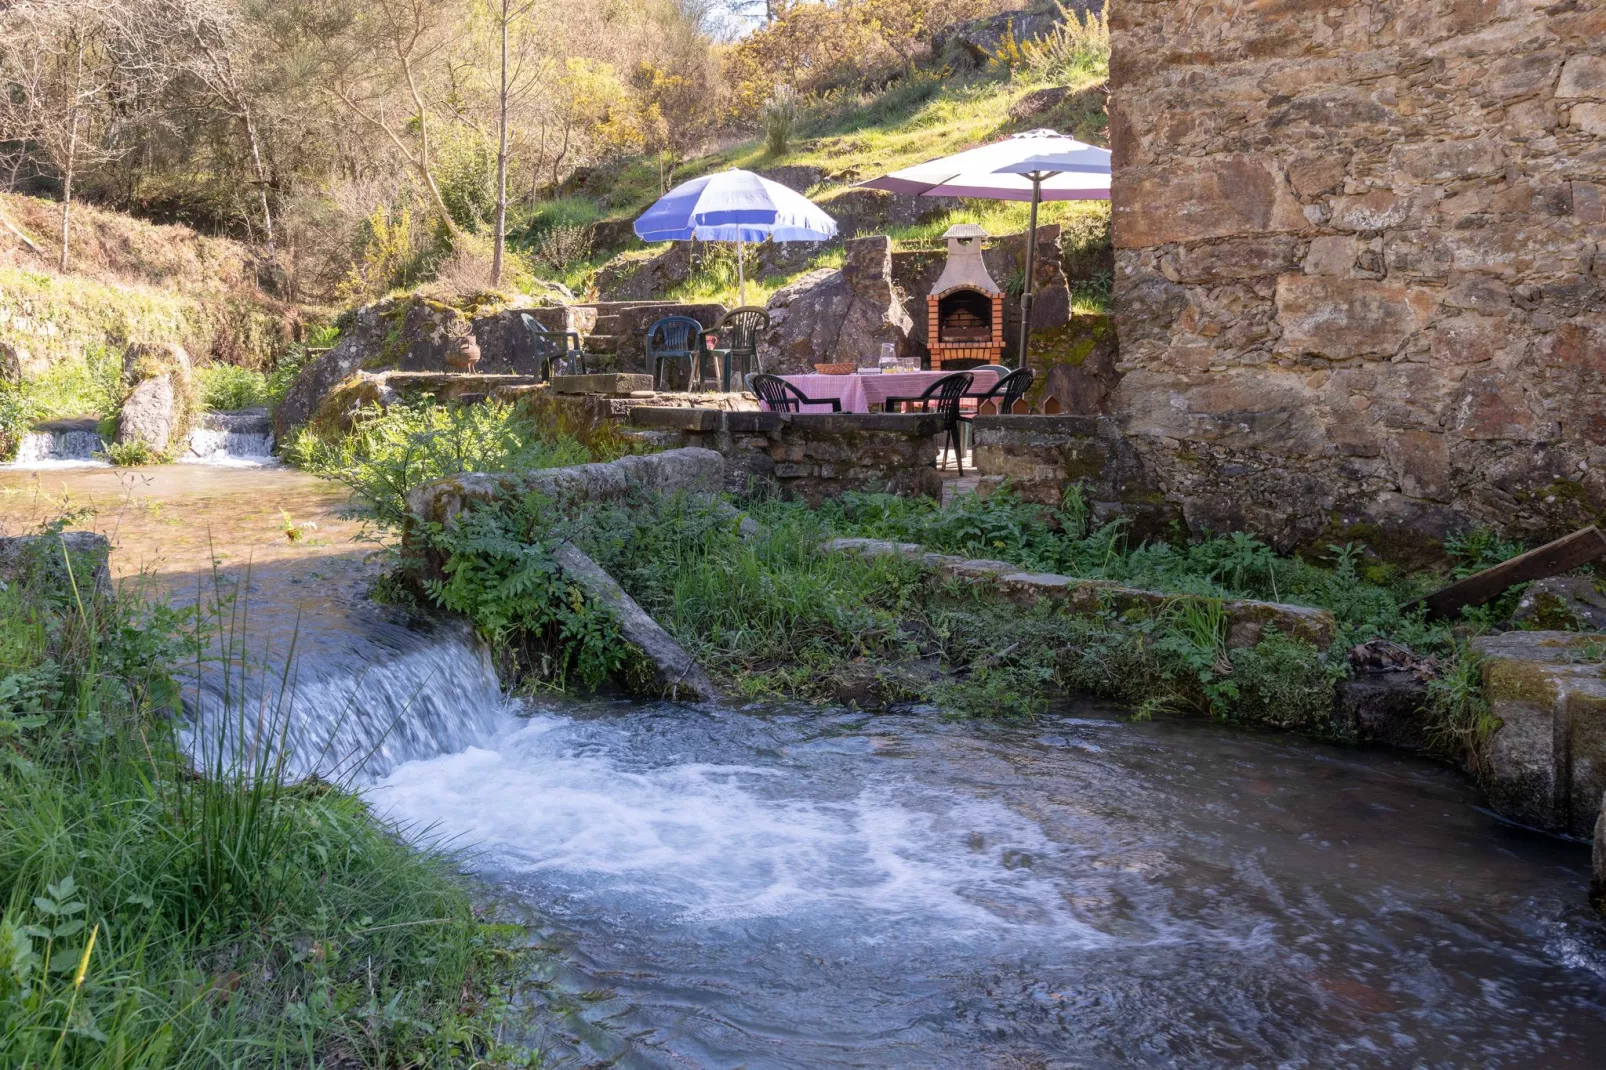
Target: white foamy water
{"x":357,"y":704}
{"x":241,"y":439}
{"x":59,"y":449}
{"x":825,"y":890}
{"x":696,"y":840}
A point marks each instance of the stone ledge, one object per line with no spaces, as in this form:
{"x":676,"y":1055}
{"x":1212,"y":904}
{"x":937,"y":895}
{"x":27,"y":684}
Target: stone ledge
{"x":602,"y":383}
{"x":1247,"y":619}
{"x":692,"y":470}
{"x":913,"y":424}
{"x":675,"y":419}
{"x":1041,"y":425}
{"x":1546,"y":764}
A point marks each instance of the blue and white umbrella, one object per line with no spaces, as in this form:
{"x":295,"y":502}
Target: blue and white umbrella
{"x":736,"y":206}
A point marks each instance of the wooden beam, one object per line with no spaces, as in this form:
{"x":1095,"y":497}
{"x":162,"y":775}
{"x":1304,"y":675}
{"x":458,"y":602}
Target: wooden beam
{"x":1551,"y":559}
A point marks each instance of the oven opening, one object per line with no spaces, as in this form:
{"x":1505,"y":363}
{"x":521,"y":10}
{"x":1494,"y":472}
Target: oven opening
{"x":965,"y":316}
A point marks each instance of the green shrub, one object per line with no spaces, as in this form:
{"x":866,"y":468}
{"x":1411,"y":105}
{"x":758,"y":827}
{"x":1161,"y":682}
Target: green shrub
{"x":131,"y":454}
{"x":391,"y":451}
{"x":224,"y":387}
{"x":779,"y":116}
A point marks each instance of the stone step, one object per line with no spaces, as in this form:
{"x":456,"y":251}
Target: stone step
{"x":602,"y":343}
{"x":606,"y":307}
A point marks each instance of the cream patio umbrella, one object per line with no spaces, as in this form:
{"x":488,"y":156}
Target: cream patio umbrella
{"x":1035,"y":166}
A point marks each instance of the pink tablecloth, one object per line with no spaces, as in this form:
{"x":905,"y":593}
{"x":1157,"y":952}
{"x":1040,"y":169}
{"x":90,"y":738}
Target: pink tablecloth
{"x":869,"y":393}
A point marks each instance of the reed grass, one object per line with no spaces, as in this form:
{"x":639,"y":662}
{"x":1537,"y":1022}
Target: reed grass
{"x":174,"y":905}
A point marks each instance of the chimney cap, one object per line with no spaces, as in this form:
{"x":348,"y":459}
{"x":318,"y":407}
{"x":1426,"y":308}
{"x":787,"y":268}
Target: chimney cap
{"x":965,"y":230}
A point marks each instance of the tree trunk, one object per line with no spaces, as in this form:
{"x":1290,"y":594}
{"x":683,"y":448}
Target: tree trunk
{"x":422,"y":115}
{"x":500,"y":238}
{"x":261,"y":172}
{"x":72,"y":157}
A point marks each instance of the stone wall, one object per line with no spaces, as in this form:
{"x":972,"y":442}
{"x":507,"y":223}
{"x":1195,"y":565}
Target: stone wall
{"x":809,"y":456}
{"x":1361,"y":261}
{"x":1040,"y":456}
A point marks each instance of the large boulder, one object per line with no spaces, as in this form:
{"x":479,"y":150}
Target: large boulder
{"x":633,"y":277}
{"x":1545,"y":765}
{"x":41,"y":563}
{"x":1562,"y":603}
{"x":412,"y":333}
{"x":157,"y":409}
{"x":842,"y":316}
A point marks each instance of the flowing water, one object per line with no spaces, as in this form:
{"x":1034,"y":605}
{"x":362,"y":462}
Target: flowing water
{"x":243,"y":438}
{"x":789,"y":887}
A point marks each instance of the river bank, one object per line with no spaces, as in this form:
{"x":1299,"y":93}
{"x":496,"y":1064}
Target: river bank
{"x":803,"y":884}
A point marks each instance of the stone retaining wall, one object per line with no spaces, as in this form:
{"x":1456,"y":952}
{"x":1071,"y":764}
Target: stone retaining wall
{"x":1041,"y":456}
{"x":809,"y":456}
{"x":1361,"y":262}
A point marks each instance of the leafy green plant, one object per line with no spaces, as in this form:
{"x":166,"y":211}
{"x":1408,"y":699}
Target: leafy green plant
{"x":500,"y":572}
{"x":131,"y":454}
{"x":1078,"y":46}
{"x":1478,"y":548}
{"x":391,"y":451}
{"x":225,"y":387}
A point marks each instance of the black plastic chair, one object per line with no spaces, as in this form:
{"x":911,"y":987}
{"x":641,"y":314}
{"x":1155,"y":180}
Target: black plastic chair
{"x":553,"y":346}
{"x":1006,"y":391}
{"x":743,"y":327}
{"x":674,"y":338}
{"x":945,"y":393}
{"x":778,"y":395}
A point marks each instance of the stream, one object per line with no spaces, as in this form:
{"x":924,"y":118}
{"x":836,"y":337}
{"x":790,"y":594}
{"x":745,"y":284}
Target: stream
{"x":787,"y":886}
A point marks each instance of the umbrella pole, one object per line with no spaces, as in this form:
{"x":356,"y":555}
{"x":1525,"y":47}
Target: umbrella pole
{"x":741,"y":273}
{"x":1031,"y":263}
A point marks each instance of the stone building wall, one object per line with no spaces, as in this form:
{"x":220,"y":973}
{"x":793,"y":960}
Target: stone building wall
{"x":1361,"y":261}
{"x":808,"y":456}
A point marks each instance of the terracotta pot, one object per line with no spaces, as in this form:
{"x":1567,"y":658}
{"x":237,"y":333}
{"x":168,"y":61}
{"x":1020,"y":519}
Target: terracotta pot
{"x":463,"y":354}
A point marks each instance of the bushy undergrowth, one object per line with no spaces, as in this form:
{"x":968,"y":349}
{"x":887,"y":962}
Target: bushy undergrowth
{"x":224,"y":387}
{"x":776,"y":616}
{"x":153,"y":916}
{"x":389,"y":452}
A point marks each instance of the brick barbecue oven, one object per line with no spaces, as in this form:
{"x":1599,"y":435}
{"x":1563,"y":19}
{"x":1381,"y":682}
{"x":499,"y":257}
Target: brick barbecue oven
{"x":965,"y":310}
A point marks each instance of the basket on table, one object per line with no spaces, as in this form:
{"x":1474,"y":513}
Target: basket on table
{"x":836,"y":369}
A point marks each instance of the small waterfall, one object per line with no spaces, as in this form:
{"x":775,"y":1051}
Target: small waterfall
{"x":240,"y":438}
{"x":356,"y":704}
{"x":60,"y":444}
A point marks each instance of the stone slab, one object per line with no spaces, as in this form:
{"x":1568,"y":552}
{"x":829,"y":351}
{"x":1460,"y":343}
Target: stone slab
{"x":674,"y":673}
{"x":1545,"y":765}
{"x":1247,"y":619}
{"x":602,"y":383}
{"x":697,"y":420}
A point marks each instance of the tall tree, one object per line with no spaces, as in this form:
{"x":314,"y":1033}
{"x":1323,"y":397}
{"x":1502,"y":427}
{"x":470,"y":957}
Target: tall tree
{"x":211,"y":49}
{"x":515,"y":80}
{"x":64,"y":63}
{"x":388,"y":52}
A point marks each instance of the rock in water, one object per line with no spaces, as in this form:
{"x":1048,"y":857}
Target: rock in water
{"x":1597,"y":886}
{"x":154,"y":409}
{"x":1545,"y":765}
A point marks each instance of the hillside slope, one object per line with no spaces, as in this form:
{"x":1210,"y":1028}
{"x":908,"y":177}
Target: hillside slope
{"x":132,"y":280}
{"x":841,"y":143}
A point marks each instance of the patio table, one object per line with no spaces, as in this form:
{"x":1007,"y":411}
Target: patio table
{"x":868,"y":392}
